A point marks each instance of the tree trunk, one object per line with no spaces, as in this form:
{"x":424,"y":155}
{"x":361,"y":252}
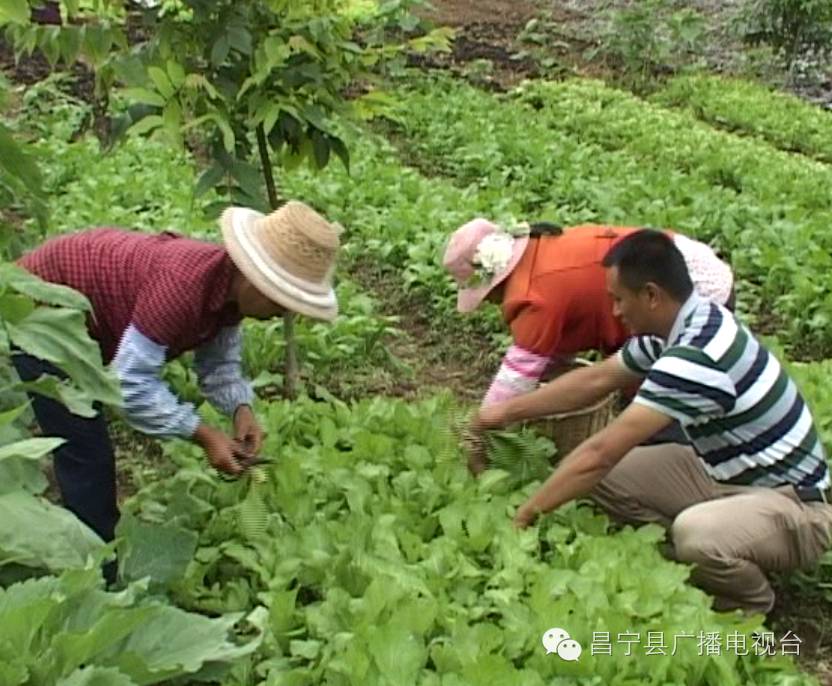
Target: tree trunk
{"x":291,"y":372}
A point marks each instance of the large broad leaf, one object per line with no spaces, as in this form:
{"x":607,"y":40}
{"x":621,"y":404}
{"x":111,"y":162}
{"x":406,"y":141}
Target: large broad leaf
{"x":159,"y":551}
{"x":60,"y":336}
{"x":38,"y":534}
{"x":399,"y":654}
{"x":67,"y":630}
{"x":24,"y":610}
{"x":14,"y":12}
{"x":96,"y":676}
{"x":13,"y":674}
{"x":19,"y":175}
{"x":9,"y":416}
{"x":90,"y":632}
{"x":17,"y":162}
{"x":42,"y":291}
{"x":174,"y":642}
{"x":69,"y":622}
{"x":75,"y":400}
{"x":30,"y":449}
{"x":20,"y":474}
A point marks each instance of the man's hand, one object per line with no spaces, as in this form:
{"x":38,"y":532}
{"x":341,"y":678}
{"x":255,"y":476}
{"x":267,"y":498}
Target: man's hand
{"x":247,"y":431}
{"x":584,"y":468}
{"x":222,"y":451}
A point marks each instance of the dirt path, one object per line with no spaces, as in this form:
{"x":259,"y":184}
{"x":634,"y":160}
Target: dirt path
{"x":565,"y":30}
{"x":440,"y":355}
{"x":488,"y":37}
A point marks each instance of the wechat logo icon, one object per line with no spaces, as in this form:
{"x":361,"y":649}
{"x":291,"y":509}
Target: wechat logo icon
{"x":557,"y":641}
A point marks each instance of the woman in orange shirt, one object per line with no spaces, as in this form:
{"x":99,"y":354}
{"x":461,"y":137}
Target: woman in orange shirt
{"x":552,"y":289}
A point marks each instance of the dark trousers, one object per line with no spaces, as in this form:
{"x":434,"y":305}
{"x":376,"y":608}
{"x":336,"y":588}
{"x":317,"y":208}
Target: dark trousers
{"x":85,"y":465}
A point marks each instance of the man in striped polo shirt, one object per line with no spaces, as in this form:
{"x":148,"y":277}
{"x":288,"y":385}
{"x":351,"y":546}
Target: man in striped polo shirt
{"x":750,"y":494}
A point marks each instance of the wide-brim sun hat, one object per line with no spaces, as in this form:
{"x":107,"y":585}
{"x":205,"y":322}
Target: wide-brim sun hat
{"x":288,"y":255}
{"x":480,"y":256}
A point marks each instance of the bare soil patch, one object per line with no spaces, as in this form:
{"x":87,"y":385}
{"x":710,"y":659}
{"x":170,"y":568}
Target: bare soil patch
{"x":459,"y":359}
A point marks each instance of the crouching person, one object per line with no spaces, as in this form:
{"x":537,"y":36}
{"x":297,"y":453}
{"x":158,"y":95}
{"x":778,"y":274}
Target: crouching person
{"x":750,"y":494}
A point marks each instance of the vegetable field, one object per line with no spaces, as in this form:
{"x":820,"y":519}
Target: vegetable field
{"x":361,"y":552}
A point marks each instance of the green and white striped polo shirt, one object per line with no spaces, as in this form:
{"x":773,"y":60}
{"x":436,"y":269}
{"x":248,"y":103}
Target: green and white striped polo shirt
{"x":743,"y":414}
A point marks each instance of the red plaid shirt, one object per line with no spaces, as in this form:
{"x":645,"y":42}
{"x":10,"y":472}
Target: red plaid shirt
{"x":172,"y":289}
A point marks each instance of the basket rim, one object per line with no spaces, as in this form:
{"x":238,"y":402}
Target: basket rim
{"x":595,"y":407}
{"x":579,"y":362}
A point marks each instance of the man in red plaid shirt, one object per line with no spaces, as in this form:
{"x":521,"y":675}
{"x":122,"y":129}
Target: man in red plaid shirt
{"x":154,"y":297}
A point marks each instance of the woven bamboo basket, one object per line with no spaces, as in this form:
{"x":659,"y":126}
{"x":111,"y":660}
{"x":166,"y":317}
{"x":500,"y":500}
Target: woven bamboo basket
{"x":569,"y":429}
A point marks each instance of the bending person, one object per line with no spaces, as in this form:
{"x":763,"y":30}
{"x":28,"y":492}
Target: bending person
{"x":551,"y":287}
{"x":155,"y":297}
{"x":750,"y":494}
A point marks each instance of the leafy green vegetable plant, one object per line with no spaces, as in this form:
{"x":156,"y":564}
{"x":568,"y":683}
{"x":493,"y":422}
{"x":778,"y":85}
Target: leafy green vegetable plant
{"x":380,"y":561}
{"x":749,"y":108}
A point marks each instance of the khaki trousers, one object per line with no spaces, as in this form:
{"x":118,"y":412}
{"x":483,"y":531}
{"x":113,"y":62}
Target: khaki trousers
{"x":732,"y":535}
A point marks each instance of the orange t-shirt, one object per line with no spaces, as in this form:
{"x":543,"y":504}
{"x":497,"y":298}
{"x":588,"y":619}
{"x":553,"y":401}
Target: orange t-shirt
{"x":556,"y":299}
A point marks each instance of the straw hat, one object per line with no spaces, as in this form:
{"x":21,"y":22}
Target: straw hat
{"x":288,"y":255}
{"x":469,"y":249}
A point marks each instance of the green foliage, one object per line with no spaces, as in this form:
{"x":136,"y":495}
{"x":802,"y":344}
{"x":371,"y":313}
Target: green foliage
{"x":792,"y":27}
{"x":48,"y":321}
{"x":229,"y":69}
{"x":159,"y":552}
{"x":522,"y":455}
{"x":580,"y":151}
{"x":20,"y":180}
{"x":280,"y":69}
{"x":648,"y":38}
{"x":537,"y":39}
{"x":139,"y":184}
{"x":61,"y":542}
{"x":780,"y":119}
{"x":66,"y":631}
{"x":399,"y":220}
{"x":356,"y":339}
{"x":235,"y":66}
{"x":21,"y":185}
{"x":92,"y":32}
{"x":380,"y":561}
{"x":334,"y":355}
{"x":813,"y":380}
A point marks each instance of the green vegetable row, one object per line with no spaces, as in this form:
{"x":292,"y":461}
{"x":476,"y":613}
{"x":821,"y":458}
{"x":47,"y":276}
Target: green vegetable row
{"x":782,"y":120}
{"x":380,"y":561}
{"x":579,"y":151}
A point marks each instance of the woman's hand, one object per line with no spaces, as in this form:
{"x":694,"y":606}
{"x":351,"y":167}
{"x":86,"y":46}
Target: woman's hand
{"x":474,"y":443}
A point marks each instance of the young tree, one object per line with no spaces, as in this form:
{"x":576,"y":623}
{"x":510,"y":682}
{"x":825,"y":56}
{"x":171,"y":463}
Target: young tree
{"x":258,"y":81}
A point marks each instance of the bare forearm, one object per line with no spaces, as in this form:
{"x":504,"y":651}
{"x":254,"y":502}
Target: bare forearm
{"x":572,"y":391}
{"x":590,"y":462}
{"x":576,"y":476}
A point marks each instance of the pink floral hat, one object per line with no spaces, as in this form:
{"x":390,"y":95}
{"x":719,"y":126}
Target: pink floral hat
{"x":480,"y":256}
